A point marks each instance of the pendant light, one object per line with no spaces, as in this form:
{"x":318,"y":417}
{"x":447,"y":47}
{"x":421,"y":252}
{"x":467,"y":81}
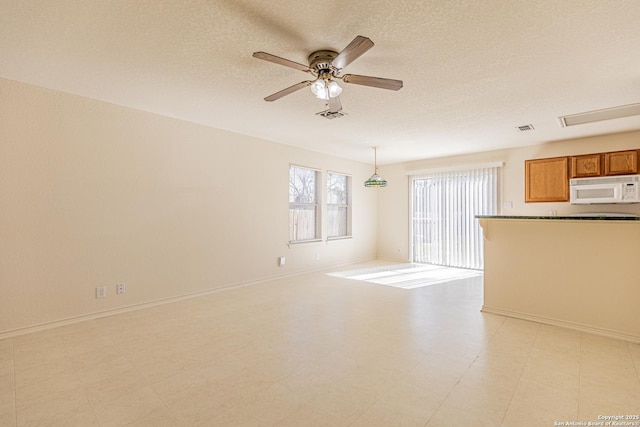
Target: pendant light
{"x":375,"y":180}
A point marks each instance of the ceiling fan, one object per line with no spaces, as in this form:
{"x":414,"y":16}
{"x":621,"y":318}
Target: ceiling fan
{"x":326,"y":66}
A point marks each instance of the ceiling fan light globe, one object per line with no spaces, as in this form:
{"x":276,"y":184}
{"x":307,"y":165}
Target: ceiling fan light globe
{"x":319,"y":89}
{"x":334,"y":89}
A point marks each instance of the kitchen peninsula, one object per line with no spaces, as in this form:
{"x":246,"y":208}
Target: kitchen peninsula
{"x":577,"y":272}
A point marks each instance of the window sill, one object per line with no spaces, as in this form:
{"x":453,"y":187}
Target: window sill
{"x":330,"y":239}
{"x":301,"y":242}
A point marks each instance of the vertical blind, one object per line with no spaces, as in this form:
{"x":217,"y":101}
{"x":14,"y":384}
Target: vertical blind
{"x":444,"y":228}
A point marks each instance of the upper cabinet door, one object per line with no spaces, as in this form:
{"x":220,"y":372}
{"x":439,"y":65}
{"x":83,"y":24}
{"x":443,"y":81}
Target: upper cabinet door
{"x":546,"y":180}
{"x":586,"y":165}
{"x":621,"y":163}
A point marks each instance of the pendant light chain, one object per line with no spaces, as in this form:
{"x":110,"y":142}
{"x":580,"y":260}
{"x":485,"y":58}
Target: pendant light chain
{"x":375,"y":159}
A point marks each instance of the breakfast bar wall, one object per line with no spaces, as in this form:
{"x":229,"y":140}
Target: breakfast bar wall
{"x":576,"y":273}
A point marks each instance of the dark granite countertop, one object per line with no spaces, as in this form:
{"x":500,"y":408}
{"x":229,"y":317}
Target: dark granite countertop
{"x":560,"y":217}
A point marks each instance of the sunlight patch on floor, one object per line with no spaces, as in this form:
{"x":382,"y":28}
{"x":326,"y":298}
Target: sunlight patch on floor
{"x":408,"y":276}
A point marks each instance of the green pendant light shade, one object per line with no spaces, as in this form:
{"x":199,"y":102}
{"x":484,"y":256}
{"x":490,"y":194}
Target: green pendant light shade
{"x":375,"y":180}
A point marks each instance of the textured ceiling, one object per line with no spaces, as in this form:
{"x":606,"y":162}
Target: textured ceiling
{"x":472,"y":70}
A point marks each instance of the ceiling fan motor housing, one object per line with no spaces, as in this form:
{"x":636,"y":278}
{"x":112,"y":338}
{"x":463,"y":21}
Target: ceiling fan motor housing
{"x":320,"y":62}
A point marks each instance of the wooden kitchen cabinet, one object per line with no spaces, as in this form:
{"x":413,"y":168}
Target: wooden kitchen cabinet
{"x":546,"y":180}
{"x":621,"y":162}
{"x":586,"y":165}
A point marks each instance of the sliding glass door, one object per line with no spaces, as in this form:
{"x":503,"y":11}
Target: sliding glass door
{"x":444,"y":205}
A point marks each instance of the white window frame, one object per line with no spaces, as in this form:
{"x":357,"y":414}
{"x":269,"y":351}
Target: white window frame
{"x":347,"y":206}
{"x":314,"y":206}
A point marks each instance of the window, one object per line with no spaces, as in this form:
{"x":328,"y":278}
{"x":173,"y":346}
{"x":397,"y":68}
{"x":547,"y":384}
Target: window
{"x":444,"y":205}
{"x":304,"y":214}
{"x":338,"y":205}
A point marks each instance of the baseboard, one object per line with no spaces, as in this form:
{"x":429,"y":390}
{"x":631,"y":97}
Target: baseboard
{"x":564,"y":324}
{"x":396,"y":260}
{"x":97,"y":315}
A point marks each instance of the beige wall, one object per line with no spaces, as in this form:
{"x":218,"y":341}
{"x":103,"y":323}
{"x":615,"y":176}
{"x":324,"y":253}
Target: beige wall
{"x":393,"y":202}
{"x":94,"y":194}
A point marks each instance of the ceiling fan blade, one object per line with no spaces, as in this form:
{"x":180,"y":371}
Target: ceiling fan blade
{"x":379,"y":82}
{"x":334,"y":104}
{"x":287,"y":91}
{"x":357,"y":47}
{"x":277,"y":60}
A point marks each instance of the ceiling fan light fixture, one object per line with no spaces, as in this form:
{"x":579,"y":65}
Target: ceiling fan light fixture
{"x":319,"y":89}
{"x":334,"y":89}
{"x":323,"y":90}
{"x":375,"y":180}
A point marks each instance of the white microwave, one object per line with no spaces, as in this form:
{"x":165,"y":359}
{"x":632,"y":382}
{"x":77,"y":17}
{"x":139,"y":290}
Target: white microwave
{"x":605,"y":189}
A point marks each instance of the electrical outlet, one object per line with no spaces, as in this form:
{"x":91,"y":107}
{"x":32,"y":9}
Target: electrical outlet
{"x":121,"y":289}
{"x":101,"y":292}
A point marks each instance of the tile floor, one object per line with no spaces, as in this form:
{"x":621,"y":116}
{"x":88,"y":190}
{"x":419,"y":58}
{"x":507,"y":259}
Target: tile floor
{"x":317,"y":350}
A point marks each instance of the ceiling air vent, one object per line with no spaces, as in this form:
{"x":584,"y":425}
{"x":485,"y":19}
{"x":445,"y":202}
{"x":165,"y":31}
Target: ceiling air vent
{"x":331,"y":114}
{"x":525,"y":128}
{"x":598,"y":115}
